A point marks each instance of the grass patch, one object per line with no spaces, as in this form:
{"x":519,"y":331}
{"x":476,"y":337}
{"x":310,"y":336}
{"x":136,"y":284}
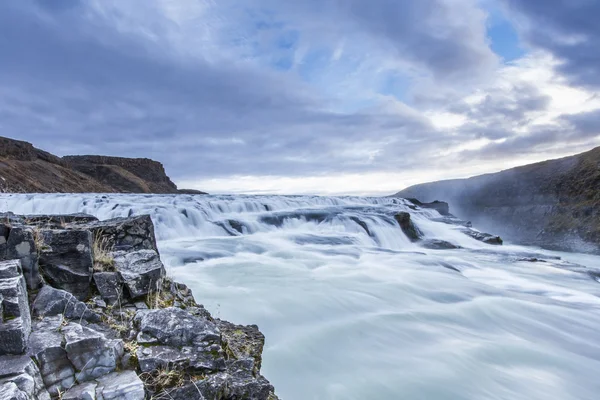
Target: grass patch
{"x":102,"y":253}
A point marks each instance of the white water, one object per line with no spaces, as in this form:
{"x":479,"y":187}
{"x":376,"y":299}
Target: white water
{"x":353,"y":316}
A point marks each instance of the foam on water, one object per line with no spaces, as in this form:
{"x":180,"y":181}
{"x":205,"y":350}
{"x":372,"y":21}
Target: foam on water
{"x":353,"y":310}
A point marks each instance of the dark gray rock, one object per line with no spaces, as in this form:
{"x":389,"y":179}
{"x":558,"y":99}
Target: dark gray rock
{"x":24,"y":374}
{"x":66,"y":259}
{"x":84,"y":391}
{"x":58,"y":221}
{"x":141,"y":271}
{"x":51,"y":301}
{"x":176,"y":327}
{"x":124,"y":385}
{"x":483,"y":237}
{"x":242,"y":342}
{"x":440,"y":206}
{"x":46,"y":348}
{"x":21,"y":245}
{"x":110,"y":286}
{"x":16,"y":318}
{"x":437,"y":244}
{"x":192,"y":359}
{"x":407,"y":226}
{"x":127,"y":234}
{"x":10,"y":391}
{"x":90,"y":352}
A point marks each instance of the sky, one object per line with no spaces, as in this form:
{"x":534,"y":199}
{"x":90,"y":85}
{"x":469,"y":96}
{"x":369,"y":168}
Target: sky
{"x":323,"y":97}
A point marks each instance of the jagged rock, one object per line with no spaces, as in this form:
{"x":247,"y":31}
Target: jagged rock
{"x":197,"y":359}
{"x":440,"y":206}
{"x":10,"y":391}
{"x":66,"y":259}
{"x":25,"y":375}
{"x":16,"y":318}
{"x":45,"y":346}
{"x":51,"y":301}
{"x":437,"y":244}
{"x":21,"y":244}
{"x":110,"y":286}
{"x":483,"y":237}
{"x":84,"y":391}
{"x":407,"y":226}
{"x":58,"y":221}
{"x":141,"y":271}
{"x":176,"y":327}
{"x":90,"y":352}
{"x":242,"y":342}
{"x":235,"y":384}
{"x":126,"y":234}
{"x":124,"y":385}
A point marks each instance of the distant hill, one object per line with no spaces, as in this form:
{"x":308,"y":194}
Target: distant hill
{"x":26,"y":169}
{"x":554,"y":204}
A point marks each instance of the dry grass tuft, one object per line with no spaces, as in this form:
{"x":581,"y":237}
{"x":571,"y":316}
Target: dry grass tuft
{"x":102,"y":253}
{"x":163,"y":379}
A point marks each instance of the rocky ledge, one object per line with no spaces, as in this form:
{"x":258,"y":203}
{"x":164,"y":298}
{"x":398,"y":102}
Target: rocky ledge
{"x":87,"y":312}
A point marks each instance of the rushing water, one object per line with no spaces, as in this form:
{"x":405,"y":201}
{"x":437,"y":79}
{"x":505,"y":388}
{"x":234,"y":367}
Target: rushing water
{"x":353,"y":310}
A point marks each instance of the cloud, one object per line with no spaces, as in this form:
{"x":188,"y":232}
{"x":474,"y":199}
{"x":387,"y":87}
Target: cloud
{"x":568,"y":29}
{"x":223,"y":93}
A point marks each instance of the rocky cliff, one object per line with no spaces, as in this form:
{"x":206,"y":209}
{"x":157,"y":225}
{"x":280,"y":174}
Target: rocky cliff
{"x":26,"y":169}
{"x":88,"y":312}
{"x":130,"y":175}
{"x":554,"y":204}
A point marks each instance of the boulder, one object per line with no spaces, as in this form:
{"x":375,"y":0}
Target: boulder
{"x":124,"y":385}
{"x":242,"y":342}
{"x":66,"y":259}
{"x":46,"y":348}
{"x":110,"y":286}
{"x":407,"y":226}
{"x":126,"y":234}
{"x":16,"y":318}
{"x":21,"y":245}
{"x":90,"y":352}
{"x":437,"y":244}
{"x":84,"y":391}
{"x":440,"y":206}
{"x":188,"y":358}
{"x":51,"y":301}
{"x":141,"y":271}
{"x":483,"y":237}
{"x":10,"y":391}
{"x":177,"y":328}
{"x":22,"y":372}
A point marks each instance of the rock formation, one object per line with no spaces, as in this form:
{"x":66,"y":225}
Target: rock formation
{"x":26,"y":169}
{"x":87,"y":312}
{"x":554,"y":204}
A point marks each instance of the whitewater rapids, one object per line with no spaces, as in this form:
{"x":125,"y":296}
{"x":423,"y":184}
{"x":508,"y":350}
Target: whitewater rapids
{"x":353,"y":310}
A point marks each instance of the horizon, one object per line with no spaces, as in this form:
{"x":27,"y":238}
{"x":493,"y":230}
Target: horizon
{"x":272,"y":98}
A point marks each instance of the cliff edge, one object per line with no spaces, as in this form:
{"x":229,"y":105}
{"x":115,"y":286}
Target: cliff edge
{"x":26,"y":169}
{"x":553,"y":204}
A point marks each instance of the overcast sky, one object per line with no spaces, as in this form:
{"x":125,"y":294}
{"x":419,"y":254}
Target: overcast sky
{"x":304,"y":96}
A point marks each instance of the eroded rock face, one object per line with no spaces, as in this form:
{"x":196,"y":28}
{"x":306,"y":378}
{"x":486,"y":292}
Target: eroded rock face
{"x":483,"y":237}
{"x":46,"y":347}
{"x":126,"y":234}
{"x":176,"y":327}
{"x":21,"y":245}
{"x":66,"y":259}
{"x":124,"y":385}
{"x":110,"y":286}
{"x":90,"y":352}
{"x":51,"y":301}
{"x":19,"y":376}
{"x":15,"y":317}
{"x":80,"y":350}
{"x":141,"y":271}
{"x":407,"y":226}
